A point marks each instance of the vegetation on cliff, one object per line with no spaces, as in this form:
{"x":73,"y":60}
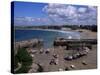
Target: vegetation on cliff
{"x":25,"y":59}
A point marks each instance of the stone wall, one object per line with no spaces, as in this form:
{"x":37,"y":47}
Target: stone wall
{"x":27,"y":44}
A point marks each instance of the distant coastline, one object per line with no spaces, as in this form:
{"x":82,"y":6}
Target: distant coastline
{"x":48,"y":30}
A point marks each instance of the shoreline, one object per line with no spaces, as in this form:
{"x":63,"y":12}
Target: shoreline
{"x":50,"y":30}
{"x":85,"y":34}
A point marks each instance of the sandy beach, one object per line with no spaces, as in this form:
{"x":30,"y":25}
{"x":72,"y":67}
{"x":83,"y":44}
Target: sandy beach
{"x":44,"y":60}
{"x":87,"y":34}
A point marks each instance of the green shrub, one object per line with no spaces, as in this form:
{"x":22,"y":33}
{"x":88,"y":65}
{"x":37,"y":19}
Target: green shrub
{"x":23,"y":57}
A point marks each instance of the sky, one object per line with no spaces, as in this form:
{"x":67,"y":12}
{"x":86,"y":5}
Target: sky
{"x":38,"y":14}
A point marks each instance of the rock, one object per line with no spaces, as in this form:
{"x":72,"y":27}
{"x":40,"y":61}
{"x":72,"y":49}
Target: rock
{"x":83,"y":53}
{"x":72,"y":66}
{"x":87,"y":50}
{"x":33,"y":51}
{"x":66,"y":69}
{"x":68,"y":58}
{"x":32,"y":55}
{"x":56,"y":61}
{"x":47,"y":51}
{"x":40,"y":69}
{"x":41,"y":51}
{"x":75,"y":56}
{"x":26,"y":44}
{"x":84,"y":63}
{"x":55,"y":55}
{"x":52,"y":62}
{"x":34,"y":68}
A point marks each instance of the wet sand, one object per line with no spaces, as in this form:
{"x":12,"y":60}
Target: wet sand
{"x":87,"y":34}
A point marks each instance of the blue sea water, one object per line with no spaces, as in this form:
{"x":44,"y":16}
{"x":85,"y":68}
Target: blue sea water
{"x":47,"y":36}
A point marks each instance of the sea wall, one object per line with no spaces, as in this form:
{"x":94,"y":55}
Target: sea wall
{"x":27,"y":44}
{"x":64,"y":42}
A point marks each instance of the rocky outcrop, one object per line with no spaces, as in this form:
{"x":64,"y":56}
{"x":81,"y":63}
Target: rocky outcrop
{"x":27,"y":44}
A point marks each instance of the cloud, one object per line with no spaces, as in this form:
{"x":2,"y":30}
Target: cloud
{"x":30,"y":21}
{"x":71,"y":14}
{"x":59,"y":14}
{"x":82,"y":10}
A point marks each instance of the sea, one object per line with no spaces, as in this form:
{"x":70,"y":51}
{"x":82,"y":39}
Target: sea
{"x":48,"y":36}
